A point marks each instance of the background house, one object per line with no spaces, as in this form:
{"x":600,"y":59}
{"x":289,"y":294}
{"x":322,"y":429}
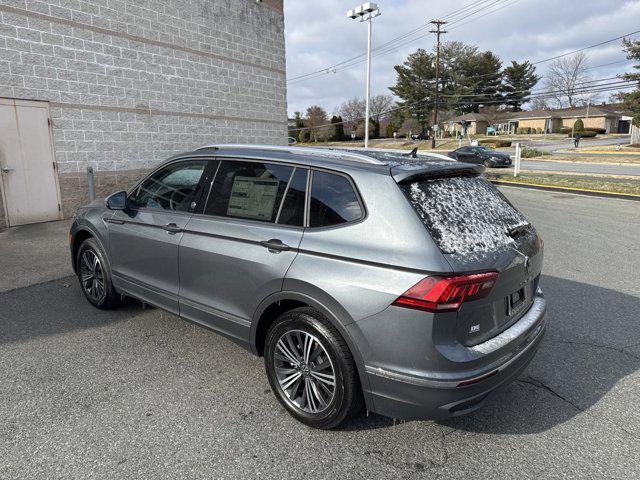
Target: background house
{"x":610,"y":118}
{"x":122,"y":89}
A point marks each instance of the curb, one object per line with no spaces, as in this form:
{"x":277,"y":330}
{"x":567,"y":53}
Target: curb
{"x":580,"y":191}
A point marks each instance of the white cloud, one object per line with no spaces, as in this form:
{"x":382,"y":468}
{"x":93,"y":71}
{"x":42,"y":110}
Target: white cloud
{"x":523,"y":30}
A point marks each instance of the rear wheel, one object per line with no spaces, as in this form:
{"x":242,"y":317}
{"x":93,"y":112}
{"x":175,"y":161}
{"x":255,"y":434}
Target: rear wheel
{"x":94,"y":275}
{"x":311,"y":370}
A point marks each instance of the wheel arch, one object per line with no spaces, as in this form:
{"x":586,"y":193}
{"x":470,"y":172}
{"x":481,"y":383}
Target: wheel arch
{"x":278,"y":303}
{"x":79,"y":235}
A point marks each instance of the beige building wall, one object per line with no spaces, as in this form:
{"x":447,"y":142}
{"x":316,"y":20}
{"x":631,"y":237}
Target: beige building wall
{"x":591,"y":122}
{"x":532,"y":123}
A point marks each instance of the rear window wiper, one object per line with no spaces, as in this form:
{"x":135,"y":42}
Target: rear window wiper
{"x":519,"y":230}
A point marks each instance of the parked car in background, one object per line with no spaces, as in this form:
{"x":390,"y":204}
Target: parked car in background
{"x":420,"y":136}
{"x":481,"y":155}
{"x":408,"y":286}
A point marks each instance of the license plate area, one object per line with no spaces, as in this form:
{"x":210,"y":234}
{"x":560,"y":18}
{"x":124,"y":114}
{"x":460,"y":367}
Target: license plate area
{"x":516,"y":301}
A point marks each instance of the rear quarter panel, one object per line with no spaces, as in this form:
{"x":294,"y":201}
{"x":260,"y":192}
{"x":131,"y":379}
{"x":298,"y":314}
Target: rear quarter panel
{"x":364,"y":266}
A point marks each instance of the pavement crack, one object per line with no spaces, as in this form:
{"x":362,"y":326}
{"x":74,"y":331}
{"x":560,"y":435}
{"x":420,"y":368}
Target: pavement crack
{"x":598,"y":345}
{"x":536,"y":382}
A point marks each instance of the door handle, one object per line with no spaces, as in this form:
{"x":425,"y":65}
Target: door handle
{"x":275,"y":245}
{"x":172,"y":228}
{"x":7,"y":169}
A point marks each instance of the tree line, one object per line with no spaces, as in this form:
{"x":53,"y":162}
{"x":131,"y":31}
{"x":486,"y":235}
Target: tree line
{"x":470,"y":81}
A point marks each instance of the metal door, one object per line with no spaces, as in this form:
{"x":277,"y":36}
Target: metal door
{"x":30,"y":189}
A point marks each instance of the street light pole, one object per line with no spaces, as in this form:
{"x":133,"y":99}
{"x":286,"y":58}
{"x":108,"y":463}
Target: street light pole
{"x":366,"y":12}
{"x":366,"y":120}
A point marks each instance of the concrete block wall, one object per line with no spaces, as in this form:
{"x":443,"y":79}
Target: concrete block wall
{"x":132,"y":82}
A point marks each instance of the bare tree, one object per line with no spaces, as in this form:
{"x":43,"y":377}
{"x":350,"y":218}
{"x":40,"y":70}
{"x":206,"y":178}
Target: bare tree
{"x":539,"y":103}
{"x":352,"y":110}
{"x":317,"y":121}
{"x":380,"y":104}
{"x":565,"y":80}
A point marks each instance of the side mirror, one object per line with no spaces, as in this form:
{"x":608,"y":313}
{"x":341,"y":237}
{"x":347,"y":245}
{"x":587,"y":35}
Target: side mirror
{"x":117,"y":201}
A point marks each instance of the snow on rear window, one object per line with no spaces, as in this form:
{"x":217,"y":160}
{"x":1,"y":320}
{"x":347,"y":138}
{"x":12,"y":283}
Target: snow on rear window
{"x":464,"y":214}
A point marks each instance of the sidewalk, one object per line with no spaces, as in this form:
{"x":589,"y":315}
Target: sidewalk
{"x":32,"y":254}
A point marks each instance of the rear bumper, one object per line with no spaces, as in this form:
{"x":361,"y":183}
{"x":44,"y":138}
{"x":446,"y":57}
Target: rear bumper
{"x":408,"y":397}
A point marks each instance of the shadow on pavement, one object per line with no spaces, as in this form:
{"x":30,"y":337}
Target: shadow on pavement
{"x":586,"y":352}
{"x":51,"y":308}
{"x":592,"y":342}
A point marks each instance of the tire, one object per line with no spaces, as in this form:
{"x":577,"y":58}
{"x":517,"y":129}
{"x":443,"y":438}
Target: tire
{"x":487,"y":164}
{"x":94,"y":275}
{"x":324,"y":407}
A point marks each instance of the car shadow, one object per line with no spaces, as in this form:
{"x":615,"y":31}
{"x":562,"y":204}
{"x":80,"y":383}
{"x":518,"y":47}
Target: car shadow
{"x":54,"y":307}
{"x":592,"y":342}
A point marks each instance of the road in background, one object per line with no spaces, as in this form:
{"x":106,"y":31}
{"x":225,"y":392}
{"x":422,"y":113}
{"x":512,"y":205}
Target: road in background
{"x":581,"y":167}
{"x":138,"y":393}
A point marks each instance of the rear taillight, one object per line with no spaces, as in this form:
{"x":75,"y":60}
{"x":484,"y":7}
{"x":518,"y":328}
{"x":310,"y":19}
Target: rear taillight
{"x":438,"y":294}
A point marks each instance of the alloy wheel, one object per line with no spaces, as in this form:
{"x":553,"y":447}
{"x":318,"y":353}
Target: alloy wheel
{"x":304,"y":371}
{"x":92,"y":275}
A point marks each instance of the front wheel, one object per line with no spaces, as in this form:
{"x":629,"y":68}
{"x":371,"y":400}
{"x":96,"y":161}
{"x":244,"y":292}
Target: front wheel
{"x":94,"y":275}
{"x":311,"y":370}
{"x":487,"y":164}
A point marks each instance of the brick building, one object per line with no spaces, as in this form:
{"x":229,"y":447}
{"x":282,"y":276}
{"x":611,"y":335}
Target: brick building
{"x":120,"y":85}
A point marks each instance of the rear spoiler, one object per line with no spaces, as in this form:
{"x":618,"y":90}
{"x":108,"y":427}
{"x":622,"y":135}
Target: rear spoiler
{"x":413,"y":172}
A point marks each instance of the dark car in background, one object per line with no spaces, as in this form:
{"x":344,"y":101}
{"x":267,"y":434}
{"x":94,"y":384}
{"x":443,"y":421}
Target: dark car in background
{"x":482,"y":156}
{"x":406,"y":286}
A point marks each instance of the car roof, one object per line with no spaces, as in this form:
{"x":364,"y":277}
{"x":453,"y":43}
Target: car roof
{"x":376,"y":161}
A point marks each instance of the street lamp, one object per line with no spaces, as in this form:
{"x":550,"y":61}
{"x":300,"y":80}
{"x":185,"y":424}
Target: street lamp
{"x":365,"y":13}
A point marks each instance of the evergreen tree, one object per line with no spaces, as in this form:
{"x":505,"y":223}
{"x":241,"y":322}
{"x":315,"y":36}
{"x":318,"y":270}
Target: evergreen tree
{"x":631,"y":100}
{"x":338,"y":128}
{"x":519,"y":79}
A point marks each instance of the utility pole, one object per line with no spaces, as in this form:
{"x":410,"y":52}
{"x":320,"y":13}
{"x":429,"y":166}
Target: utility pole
{"x":438,"y":32}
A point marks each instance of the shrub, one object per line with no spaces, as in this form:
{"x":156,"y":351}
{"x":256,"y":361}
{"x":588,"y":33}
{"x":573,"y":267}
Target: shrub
{"x":565,"y":129}
{"x":528,"y":152}
{"x":599,"y":130}
{"x":390,"y":129}
{"x":578,"y":126}
{"x":495,"y":142}
{"x":304,"y":136}
{"x":584,"y":134}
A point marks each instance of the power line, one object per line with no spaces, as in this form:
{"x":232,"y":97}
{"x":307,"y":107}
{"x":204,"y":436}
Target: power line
{"x":329,"y":69}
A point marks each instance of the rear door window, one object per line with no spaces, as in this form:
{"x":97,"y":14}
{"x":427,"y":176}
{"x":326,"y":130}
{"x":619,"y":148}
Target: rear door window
{"x":250,"y":190}
{"x":333,"y":200}
{"x":464,"y":214}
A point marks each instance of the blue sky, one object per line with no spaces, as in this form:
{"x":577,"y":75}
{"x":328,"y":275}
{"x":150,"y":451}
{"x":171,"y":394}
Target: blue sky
{"x":513,"y":29}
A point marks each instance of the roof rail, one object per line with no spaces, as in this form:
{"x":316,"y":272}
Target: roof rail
{"x":326,"y":152}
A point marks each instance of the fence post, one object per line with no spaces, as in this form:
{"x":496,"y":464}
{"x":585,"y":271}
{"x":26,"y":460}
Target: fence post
{"x":91,"y":185}
{"x":516,"y":168}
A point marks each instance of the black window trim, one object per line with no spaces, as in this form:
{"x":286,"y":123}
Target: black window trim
{"x":199,"y":187}
{"x":220,"y":158}
{"x":363,"y":210}
{"x":199,"y":212}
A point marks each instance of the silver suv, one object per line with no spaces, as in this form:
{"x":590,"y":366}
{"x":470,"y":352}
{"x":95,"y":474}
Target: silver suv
{"x":406,"y":285}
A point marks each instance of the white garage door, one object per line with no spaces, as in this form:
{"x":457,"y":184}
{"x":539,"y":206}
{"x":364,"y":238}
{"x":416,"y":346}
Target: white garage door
{"x":29,"y":181}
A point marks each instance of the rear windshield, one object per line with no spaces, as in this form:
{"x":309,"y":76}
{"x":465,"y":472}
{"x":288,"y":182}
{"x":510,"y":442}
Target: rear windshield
{"x":464,"y":214}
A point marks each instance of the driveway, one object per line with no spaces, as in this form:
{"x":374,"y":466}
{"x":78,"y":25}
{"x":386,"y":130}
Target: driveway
{"x":137,"y":393}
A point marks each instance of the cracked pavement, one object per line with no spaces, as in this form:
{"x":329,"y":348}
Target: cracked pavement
{"x":138,"y":393}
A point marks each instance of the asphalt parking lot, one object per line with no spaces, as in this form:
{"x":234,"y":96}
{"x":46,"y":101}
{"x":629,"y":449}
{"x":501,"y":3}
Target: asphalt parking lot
{"x":138,"y":393}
